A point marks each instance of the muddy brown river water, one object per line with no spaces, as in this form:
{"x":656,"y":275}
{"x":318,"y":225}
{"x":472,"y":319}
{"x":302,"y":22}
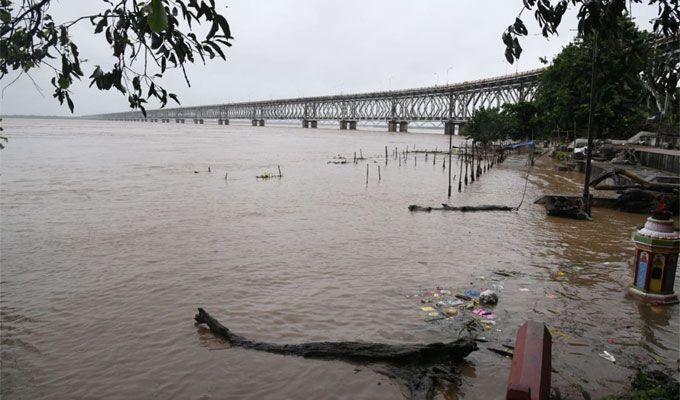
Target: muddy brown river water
{"x":109,"y":242}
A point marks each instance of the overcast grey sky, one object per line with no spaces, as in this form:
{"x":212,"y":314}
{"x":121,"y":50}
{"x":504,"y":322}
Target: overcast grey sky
{"x":298,"y":48}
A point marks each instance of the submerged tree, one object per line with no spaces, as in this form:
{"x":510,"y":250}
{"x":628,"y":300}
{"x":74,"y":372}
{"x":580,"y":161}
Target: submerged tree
{"x":518,"y":121}
{"x":486,"y":125}
{"x":146,"y":38}
{"x":523,"y":120}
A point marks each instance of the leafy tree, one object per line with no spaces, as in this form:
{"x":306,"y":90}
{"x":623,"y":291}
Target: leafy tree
{"x":620,"y":96}
{"x":517,"y":121}
{"x":486,"y":126}
{"x":522,"y":120}
{"x":146,"y":38}
{"x":594,"y":17}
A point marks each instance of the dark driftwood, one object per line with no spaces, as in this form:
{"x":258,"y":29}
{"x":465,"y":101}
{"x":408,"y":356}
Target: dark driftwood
{"x":565,"y":207}
{"x":420,"y":368}
{"x":640,"y":182}
{"x":446,"y":207}
{"x":364,"y":352}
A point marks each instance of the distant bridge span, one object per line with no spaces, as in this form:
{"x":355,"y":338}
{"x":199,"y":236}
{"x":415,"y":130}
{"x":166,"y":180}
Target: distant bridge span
{"x":448,"y":104}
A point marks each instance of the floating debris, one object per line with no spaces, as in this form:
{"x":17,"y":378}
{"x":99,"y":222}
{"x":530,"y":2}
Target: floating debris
{"x":270,"y":175}
{"x":488,"y":297}
{"x":338,"y":160}
{"x":506,"y":273}
{"x":607,"y":356}
{"x":501,"y":352}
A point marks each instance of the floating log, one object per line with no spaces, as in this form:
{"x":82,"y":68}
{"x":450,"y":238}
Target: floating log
{"x":363,"y":352}
{"x":420,"y":368}
{"x":446,"y":207}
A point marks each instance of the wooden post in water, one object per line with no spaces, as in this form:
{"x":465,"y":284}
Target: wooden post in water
{"x":280,"y":174}
{"x":460,"y":175}
{"x":450,"y":149}
{"x":379,"y":176}
{"x":385,"y":155}
{"x":466,"y":164}
{"x":434,"y":158}
{"x":367,"y":174}
{"x":355,"y":157}
{"x":472,"y":163}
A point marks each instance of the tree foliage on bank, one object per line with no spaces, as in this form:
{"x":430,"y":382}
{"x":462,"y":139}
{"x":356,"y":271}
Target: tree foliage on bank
{"x":146,"y":39}
{"x":595,"y":17}
{"x":517,"y":121}
{"x":620,"y":96}
{"x":633,"y":84}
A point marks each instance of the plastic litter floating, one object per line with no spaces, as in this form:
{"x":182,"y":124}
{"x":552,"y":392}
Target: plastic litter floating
{"x":607,"y":356}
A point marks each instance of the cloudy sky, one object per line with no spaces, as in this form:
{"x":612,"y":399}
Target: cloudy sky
{"x":299,"y":48}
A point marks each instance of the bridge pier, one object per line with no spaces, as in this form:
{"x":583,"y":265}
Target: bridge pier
{"x":305,"y":123}
{"x":225,"y":121}
{"x":343,"y":124}
{"x":200,"y":121}
{"x":260,"y":122}
{"x":352,"y":125}
{"x":195,"y":120}
{"x":391,"y":126}
{"x":219,"y":121}
{"x":313,"y":124}
{"x":254,"y":122}
{"x":403,"y":126}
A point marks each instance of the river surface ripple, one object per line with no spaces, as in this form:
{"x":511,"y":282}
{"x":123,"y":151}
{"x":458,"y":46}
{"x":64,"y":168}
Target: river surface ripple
{"x":109,"y":242}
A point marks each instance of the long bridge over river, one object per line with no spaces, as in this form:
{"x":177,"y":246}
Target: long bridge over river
{"x":449,"y":105}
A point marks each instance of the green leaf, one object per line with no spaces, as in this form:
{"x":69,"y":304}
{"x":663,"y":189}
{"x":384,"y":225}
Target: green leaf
{"x":63,"y":82}
{"x":509,"y":56}
{"x":69,"y":102}
{"x":158,"y":18}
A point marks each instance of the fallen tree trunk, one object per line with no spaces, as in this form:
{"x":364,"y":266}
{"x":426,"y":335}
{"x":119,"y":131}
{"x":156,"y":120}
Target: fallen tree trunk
{"x":421,"y":369}
{"x":643,"y":183}
{"x":446,"y":207}
{"x":364,"y":352}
